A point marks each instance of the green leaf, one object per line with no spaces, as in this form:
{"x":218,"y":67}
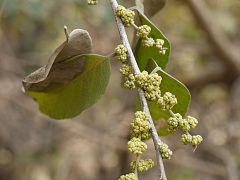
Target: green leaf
{"x":80,"y":93}
{"x":143,"y":54}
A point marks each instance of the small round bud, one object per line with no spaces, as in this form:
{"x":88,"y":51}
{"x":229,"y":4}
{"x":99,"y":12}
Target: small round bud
{"x":159,"y":43}
{"x":184,"y":125}
{"x":196,"y":140}
{"x":143,"y":31}
{"x":193,"y":122}
{"x":130,"y":176}
{"x":186,"y":139}
{"x":150,"y":83}
{"x":167,"y":101}
{"x":92,"y":2}
{"x":172,"y":123}
{"x":143,"y":165}
{"x":121,"y":52}
{"x":136,"y":146}
{"x":126,"y":70}
{"x":166,"y":153}
{"x":120,"y":10}
{"x":129,"y":84}
{"x":126,"y":15}
{"x":148,"y":42}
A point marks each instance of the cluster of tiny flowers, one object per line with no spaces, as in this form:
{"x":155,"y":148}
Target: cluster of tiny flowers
{"x":143,"y":165}
{"x":140,"y":126}
{"x":167,"y":101}
{"x":130,"y":176}
{"x":121,"y":52}
{"x":173,"y":122}
{"x":188,"y":123}
{"x":195,"y":140}
{"x":177,"y":122}
{"x":166,"y":153}
{"x":92,"y":2}
{"x":143,"y":31}
{"x":136,"y":146}
{"x":150,"y":83}
{"x":158,"y":43}
{"x":126,"y":69}
{"x":126,"y":15}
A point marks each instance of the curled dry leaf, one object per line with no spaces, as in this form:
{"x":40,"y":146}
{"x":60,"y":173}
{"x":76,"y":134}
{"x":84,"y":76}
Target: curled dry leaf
{"x":72,"y":81}
{"x":56,"y":73}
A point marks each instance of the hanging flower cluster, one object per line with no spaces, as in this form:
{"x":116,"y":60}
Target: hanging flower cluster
{"x":143,"y":32}
{"x":140,"y":130}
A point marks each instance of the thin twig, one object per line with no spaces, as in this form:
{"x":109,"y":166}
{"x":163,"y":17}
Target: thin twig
{"x":155,"y":137}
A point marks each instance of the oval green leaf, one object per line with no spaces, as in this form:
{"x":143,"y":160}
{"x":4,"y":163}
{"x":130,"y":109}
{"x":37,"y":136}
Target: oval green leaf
{"x":84,"y":90}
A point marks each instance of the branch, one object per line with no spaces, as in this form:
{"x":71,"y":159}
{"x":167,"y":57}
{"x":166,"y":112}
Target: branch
{"x":225,"y":50}
{"x":155,"y":137}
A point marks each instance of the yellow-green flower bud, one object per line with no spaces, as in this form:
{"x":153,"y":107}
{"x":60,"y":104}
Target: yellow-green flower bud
{"x":143,"y":31}
{"x":92,"y":2}
{"x":173,"y":122}
{"x":184,"y":125}
{"x":126,"y":15}
{"x":129,"y":84}
{"x":130,"y":176}
{"x":150,"y":83}
{"x":136,"y":146}
{"x":159,"y":43}
{"x":126,"y":70}
{"x":167,"y":101}
{"x":140,"y":125}
{"x":196,"y":140}
{"x":121,"y":52}
{"x":166,"y":153}
{"x":148,"y":42}
{"x":193,"y":122}
{"x":120,"y":10}
{"x":186,"y":139}
{"x":143,"y":165}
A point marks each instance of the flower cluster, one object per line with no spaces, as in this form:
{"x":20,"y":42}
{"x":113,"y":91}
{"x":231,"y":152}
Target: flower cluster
{"x":177,"y":122}
{"x":121,"y":52}
{"x":140,"y":126}
{"x":150,"y":83}
{"x":143,"y":165}
{"x":173,"y":122}
{"x":143,"y":31}
{"x":126,"y":15}
{"x":127,"y":18}
{"x":167,"y":101}
{"x":136,"y":146}
{"x":166,"y":153}
{"x":195,"y":140}
{"x":126,"y":69}
{"x":92,"y":2}
{"x":130,"y":176}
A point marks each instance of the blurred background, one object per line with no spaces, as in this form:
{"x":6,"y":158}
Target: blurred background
{"x":205,"y":38}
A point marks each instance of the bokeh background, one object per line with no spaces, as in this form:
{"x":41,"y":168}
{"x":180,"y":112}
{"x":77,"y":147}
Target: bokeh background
{"x":205,"y":38}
